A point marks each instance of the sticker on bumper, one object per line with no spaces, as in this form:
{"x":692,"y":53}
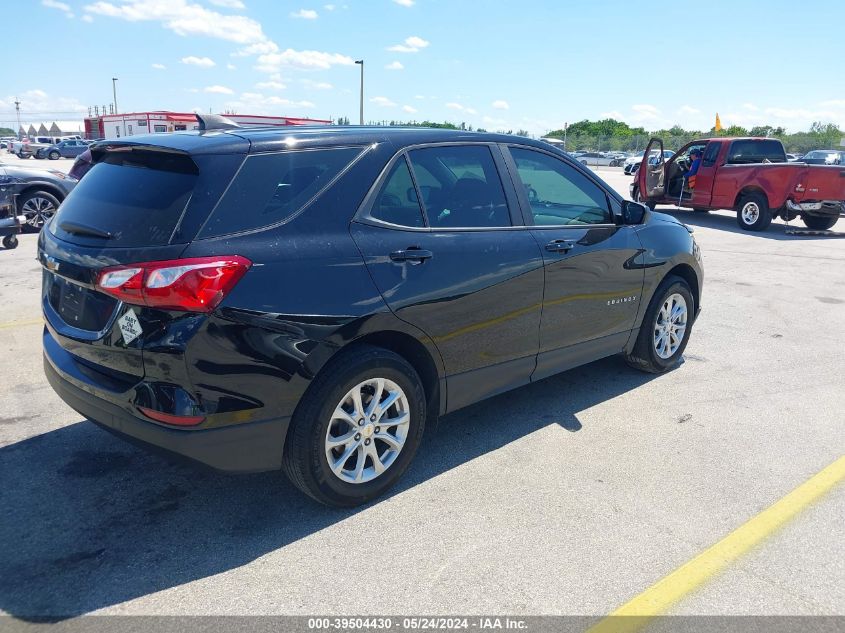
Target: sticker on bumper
{"x":129,"y":326}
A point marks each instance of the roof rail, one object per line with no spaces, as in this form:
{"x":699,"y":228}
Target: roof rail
{"x":215,"y":122}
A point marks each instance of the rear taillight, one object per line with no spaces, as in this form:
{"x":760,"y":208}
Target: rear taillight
{"x":195,"y":284}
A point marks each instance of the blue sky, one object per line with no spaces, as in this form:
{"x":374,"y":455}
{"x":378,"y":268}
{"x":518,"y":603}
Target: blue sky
{"x":533,"y":64}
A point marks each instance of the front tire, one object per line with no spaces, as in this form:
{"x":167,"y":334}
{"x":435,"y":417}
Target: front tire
{"x":54,"y":156}
{"x":819,"y":222}
{"x":641,"y":200}
{"x":357,"y":428}
{"x":754,"y":213}
{"x":666,"y":328}
{"x":38,"y":207}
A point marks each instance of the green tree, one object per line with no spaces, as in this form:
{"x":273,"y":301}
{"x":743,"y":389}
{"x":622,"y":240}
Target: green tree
{"x":5,"y":131}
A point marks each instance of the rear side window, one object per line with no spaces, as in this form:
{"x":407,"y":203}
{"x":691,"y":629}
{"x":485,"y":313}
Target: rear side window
{"x":756,"y":151}
{"x":269,"y":188}
{"x":397,"y":202}
{"x":710,"y":154}
{"x":460,"y":187}
{"x":137,"y":197}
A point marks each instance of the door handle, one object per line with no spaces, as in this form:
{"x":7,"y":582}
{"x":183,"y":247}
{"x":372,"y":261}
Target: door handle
{"x":412,"y":254}
{"x":559,"y":246}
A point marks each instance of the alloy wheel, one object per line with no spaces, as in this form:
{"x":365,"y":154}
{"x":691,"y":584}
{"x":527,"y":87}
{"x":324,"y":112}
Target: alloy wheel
{"x":38,"y":210}
{"x":367,"y":430}
{"x":670,"y":326}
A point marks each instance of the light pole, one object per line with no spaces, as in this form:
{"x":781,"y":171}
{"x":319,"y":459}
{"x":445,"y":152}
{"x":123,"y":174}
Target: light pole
{"x":361,"y":117}
{"x":565,"y":128}
{"x":18,"y":112}
{"x":114,"y":92}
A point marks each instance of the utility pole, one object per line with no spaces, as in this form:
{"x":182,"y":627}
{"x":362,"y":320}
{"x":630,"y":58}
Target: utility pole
{"x":18,"y":112}
{"x":361,"y":117}
{"x":114,"y":92}
{"x":565,"y":127}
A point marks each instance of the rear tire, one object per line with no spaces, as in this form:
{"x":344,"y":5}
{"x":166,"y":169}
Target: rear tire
{"x":819,"y":222}
{"x":660,"y":343}
{"x":38,"y":207}
{"x":753,"y":213}
{"x":10,"y":242}
{"x":316,"y":426}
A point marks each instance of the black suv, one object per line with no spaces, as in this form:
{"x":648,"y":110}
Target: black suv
{"x":311,"y":299}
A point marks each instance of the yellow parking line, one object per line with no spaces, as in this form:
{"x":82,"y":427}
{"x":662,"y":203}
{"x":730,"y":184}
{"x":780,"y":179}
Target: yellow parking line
{"x":662,"y":595}
{"x":12,"y":324}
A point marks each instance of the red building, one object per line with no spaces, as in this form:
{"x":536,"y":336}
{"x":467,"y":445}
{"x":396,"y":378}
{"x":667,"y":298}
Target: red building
{"x":160,"y":121}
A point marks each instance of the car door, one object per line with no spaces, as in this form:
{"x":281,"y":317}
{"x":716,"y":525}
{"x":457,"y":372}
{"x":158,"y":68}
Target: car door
{"x":438,"y":235}
{"x":592,"y":289}
{"x":651,"y":177}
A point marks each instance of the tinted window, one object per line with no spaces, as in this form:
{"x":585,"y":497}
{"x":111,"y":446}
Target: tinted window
{"x":756,"y":151}
{"x":270,"y":188}
{"x":710,"y":154}
{"x":397,"y":201}
{"x":138,"y":197}
{"x":557,"y":193}
{"x":460,"y":186}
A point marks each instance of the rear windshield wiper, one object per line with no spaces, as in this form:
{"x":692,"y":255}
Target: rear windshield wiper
{"x":82,"y":229}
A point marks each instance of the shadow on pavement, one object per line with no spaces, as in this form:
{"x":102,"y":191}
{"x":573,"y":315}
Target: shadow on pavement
{"x":91,"y":521}
{"x":726,"y":221}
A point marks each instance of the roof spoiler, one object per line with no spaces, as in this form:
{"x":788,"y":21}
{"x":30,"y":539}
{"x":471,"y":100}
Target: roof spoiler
{"x":215,"y":122}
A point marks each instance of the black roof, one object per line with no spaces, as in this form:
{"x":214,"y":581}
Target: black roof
{"x":264,"y":139}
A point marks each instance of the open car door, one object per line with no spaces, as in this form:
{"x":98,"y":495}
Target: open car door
{"x":651,"y":175}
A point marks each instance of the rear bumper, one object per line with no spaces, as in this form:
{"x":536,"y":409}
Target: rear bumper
{"x":245,"y":447}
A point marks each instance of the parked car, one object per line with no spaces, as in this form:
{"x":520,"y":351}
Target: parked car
{"x":793,"y":158}
{"x":632,"y":164}
{"x":597,"y":158}
{"x":66,"y":149}
{"x":824,"y":157}
{"x":317,"y":307}
{"x":39,"y":192}
{"x":748,"y":175}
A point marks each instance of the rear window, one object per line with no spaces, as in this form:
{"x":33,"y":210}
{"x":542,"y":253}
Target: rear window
{"x":136,"y":196}
{"x":756,"y":151}
{"x":269,"y":188}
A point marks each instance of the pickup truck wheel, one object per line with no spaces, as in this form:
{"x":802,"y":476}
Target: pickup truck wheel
{"x":819,"y":222}
{"x":357,"y":429}
{"x":754,"y":213}
{"x":666,"y":328}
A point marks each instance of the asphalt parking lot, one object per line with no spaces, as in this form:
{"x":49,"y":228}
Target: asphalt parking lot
{"x":570,"y":496}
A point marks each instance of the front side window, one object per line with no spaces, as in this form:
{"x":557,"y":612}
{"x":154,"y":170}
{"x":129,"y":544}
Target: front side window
{"x":460,"y":187}
{"x":397,"y":201}
{"x":269,"y":188}
{"x":557,"y":193}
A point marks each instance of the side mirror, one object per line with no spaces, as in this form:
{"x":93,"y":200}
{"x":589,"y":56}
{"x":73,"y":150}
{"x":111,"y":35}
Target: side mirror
{"x":633,"y":212}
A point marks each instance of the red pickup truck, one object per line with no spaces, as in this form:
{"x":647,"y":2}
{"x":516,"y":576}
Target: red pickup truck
{"x":750,"y":176}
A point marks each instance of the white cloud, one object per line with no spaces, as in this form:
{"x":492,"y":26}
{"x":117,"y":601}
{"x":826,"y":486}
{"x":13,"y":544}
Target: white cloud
{"x":183,"y":19}
{"x":411,"y":44}
{"x":257,"y":103}
{"x":404,"y":3}
{"x":501,"y":105}
{"x":305,"y":14}
{"x":159,"y":66}
{"x":270,"y":85}
{"x":87,"y":18}
{"x":202,"y":62}
{"x":834,"y":103}
{"x":384,"y":102}
{"x":35,"y":101}
{"x":688,"y":109}
{"x":228,"y":4}
{"x":218,"y":90}
{"x":750,"y":106}
{"x":461,"y":108}
{"x":419,"y":97}
{"x":316,"y":85}
{"x":306,"y":60}
{"x":409,"y":109}
{"x":394,"y":66}
{"x":613,"y":114}
{"x":259,"y":48}
{"x":60,"y":6}
{"x":329,"y":7}
{"x":231,"y":67}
